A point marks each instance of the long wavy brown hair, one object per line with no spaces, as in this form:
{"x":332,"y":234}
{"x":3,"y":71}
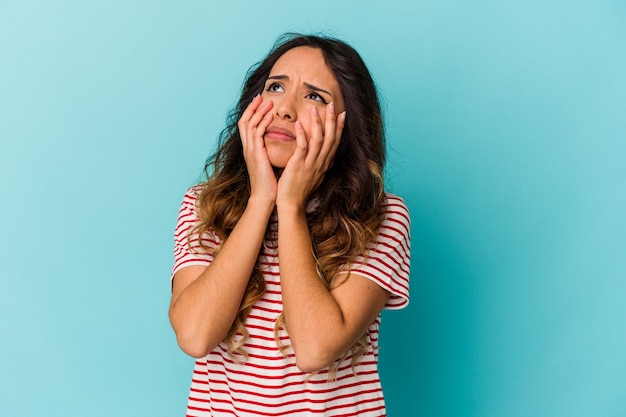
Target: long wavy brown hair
{"x":349,"y":200}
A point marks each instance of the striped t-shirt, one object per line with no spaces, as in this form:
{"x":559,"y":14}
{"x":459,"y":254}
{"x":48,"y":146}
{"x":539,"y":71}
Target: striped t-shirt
{"x":269,"y":383}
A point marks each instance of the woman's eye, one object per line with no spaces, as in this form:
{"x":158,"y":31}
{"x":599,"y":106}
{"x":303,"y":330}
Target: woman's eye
{"x":274,"y":88}
{"x":316,"y":97}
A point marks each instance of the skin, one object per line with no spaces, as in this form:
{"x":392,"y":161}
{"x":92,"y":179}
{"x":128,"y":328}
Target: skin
{"x":285,"y":167}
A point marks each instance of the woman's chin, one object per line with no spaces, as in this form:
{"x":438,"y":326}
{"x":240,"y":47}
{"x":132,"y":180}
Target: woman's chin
{"x":279,"y":157}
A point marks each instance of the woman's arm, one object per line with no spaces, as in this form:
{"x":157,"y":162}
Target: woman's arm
{"x":322,"y":324}
{"x":206,"y":300}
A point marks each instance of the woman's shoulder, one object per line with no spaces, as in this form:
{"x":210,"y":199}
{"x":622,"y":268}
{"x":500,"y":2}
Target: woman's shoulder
{"x":397,"y":215}
{"x":391,"y":199}
{"x":193,"y":193}
{"x":195,"y":190}
{"x":395,"y":205}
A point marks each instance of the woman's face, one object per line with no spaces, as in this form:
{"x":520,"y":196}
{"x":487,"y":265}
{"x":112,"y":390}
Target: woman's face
{"x":299,"y":81}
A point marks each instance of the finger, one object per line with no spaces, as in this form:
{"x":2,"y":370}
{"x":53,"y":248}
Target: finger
{"x":302,"y":145}
{"x":330,"y":137}
{"x":259,"y":132}
{"x":258,"y":129}
{"x":242,"y":123}
{"x":250,"y":109}
{"x":259,"y":114}
{"x":341,"y":122}
{"x":249,"y":128}
{"x":316,"y":140}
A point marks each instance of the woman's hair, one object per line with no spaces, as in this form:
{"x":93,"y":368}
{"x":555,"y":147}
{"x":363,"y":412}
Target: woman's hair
{"x":350,"y":198}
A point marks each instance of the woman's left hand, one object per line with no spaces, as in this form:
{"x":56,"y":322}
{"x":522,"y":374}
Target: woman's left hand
{"x":306,"y":168}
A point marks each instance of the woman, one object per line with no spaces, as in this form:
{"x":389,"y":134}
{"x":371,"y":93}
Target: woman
{"x":286,"y":255}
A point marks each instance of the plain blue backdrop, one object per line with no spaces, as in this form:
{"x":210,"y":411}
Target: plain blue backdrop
{"x":507,"y":138}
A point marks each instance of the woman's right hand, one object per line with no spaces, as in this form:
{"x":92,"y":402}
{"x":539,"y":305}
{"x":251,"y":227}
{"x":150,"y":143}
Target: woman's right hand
{"x":252,"y":125}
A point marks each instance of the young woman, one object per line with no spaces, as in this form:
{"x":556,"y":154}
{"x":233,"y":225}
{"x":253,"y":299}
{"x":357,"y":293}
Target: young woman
{"x":286,"y":255}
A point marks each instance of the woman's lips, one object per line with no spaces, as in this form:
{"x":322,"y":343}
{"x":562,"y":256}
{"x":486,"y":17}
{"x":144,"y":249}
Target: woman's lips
{"x":279,"y":133}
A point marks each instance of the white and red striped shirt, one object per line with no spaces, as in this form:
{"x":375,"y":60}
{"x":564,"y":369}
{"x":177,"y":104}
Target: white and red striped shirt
{"x":269,"y":383}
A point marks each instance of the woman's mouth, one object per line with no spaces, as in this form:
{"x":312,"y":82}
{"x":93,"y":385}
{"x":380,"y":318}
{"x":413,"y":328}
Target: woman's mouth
{"x":279,"y":133}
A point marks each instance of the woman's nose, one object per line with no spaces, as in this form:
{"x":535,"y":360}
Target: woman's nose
{"x":285,"y":108}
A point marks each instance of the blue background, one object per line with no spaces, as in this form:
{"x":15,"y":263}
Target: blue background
{"x":507,"y":138}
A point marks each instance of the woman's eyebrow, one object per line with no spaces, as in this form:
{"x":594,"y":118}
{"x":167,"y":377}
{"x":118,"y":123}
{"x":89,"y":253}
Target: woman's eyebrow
{"x":278,"y":77}
{"x":307,"y":85}
{"x":314,"y":88}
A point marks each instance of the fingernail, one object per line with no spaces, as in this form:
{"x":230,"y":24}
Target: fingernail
{"x":315,"y":112}
{"x":331,"y":107}
{"x":342,"y":116}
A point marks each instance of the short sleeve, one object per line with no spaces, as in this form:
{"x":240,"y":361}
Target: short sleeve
{"x":187,"y":249}
{"x":389,"y":257}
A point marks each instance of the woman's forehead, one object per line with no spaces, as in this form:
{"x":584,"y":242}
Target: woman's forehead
{"x":302,"y":60}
